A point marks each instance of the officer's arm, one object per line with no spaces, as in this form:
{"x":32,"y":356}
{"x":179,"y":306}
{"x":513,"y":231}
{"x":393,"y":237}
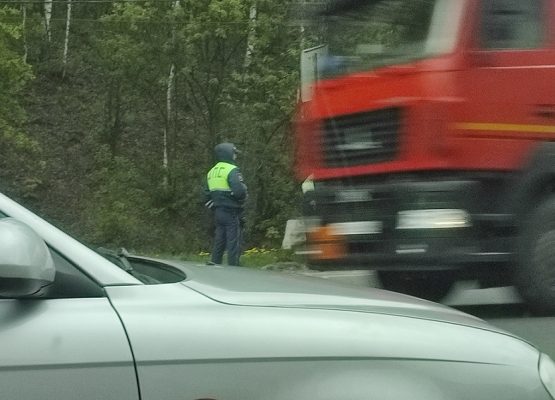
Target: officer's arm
{"x":206,"y":196}
{"x":206,"y":191}
{"x":237,"y":185}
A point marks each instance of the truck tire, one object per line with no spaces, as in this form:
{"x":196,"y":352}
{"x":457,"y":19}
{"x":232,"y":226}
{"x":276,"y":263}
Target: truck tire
{"x":429,"y":285}
{"x":534,"y":273}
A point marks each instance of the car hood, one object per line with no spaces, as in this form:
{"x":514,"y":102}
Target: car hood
{"x":247,"y":287}
{"x":271,"y":316}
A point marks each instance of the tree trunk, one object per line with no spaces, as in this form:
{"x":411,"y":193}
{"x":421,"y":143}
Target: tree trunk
{"x":24,"y":30}
{"x":252,"y":35}
{"x":47,"y":18}
{"x":169,"y":97}
{"x":169,"y":105}
{"x":66,"y":41}
{"x":302,"y":28}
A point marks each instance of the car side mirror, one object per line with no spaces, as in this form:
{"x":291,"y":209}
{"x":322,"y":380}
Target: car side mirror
{"x":26,"y":264}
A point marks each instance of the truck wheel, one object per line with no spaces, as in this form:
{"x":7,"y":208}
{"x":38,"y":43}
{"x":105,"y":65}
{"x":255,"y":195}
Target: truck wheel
{"x":429,"y":285}
{"x":535,"y":270}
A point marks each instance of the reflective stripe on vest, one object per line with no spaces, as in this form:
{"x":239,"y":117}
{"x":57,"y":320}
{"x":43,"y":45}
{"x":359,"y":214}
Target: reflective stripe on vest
{"x":217,"y":177}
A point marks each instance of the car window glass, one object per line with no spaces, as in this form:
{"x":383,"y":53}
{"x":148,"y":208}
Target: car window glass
{"x":70,"y":282}
{"x":512,"y":24}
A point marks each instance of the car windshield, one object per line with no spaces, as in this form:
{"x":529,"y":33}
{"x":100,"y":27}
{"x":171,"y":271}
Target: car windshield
{"x":369,"y":34}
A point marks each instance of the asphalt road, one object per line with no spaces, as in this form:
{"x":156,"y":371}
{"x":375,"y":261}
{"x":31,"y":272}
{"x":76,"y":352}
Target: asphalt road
{"x":501,"y":307}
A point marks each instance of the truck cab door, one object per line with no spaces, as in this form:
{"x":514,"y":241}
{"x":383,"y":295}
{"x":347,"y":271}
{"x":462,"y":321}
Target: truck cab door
{"x":508,"y":90}
{"x":66,"y":343}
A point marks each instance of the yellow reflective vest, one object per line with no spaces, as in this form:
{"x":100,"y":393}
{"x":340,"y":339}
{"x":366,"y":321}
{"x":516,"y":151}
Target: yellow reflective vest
{"x":217,"y":177}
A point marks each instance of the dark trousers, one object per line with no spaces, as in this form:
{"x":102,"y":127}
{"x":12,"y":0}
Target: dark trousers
{"x":227,"y":235}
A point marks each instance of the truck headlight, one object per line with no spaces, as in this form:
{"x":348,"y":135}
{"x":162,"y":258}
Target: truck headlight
{"x":547,"y":373}
{"x":433,"y":219}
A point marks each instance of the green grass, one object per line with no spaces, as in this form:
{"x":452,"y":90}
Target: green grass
{"x":252,"y":258}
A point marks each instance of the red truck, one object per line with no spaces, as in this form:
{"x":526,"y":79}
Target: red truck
{"x":429,"y":138}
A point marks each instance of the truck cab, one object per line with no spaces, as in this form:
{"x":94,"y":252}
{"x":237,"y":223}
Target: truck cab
{"x":428,"y":135}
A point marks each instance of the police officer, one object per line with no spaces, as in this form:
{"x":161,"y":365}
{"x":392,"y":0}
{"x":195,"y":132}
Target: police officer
{"x":225,"y":194}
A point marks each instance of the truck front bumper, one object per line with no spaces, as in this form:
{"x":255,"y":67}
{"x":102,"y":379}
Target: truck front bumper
{"x":408,"y":225}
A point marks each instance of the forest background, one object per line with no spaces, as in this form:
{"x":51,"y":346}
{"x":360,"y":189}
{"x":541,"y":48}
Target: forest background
{"x":109,"y":112}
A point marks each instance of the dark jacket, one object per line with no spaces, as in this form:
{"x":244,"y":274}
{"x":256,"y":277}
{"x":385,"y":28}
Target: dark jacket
{"x":236,"y":198}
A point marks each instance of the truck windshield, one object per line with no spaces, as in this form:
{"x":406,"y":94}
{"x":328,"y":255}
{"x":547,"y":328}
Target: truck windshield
{"x":366,"y":34}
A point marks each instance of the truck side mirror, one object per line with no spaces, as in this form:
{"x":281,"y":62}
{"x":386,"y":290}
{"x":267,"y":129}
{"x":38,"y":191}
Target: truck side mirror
{"x":26,"y":264}
{"x":311,"y":60}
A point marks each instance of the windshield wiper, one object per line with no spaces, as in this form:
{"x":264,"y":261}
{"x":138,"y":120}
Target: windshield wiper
{"x":120,"y":258}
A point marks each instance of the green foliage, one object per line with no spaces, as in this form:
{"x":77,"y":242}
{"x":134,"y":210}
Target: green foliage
{"x":14,"y":75}
{"x":262,"y":96}
{"x":118,"y":206}
{"x":18,"y":152}
{"x":101,"y":172}
{"x":254,"y":257}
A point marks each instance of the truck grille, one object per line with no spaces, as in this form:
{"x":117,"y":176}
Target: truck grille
{"x":363,"y":138}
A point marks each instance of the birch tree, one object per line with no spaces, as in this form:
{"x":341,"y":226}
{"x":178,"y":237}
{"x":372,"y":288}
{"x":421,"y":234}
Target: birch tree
{"x":66,"y":40}
{"x":169,"y":96}
{"x":24,"y":31}
{"x":252,"y":34}
{"x":48,"y":18}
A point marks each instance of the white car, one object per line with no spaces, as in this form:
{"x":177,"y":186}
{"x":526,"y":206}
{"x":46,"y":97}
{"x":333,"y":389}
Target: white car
{"x":75,"y":326}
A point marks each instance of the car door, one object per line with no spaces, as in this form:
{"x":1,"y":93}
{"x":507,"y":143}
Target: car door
{"x":67,"y":343}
